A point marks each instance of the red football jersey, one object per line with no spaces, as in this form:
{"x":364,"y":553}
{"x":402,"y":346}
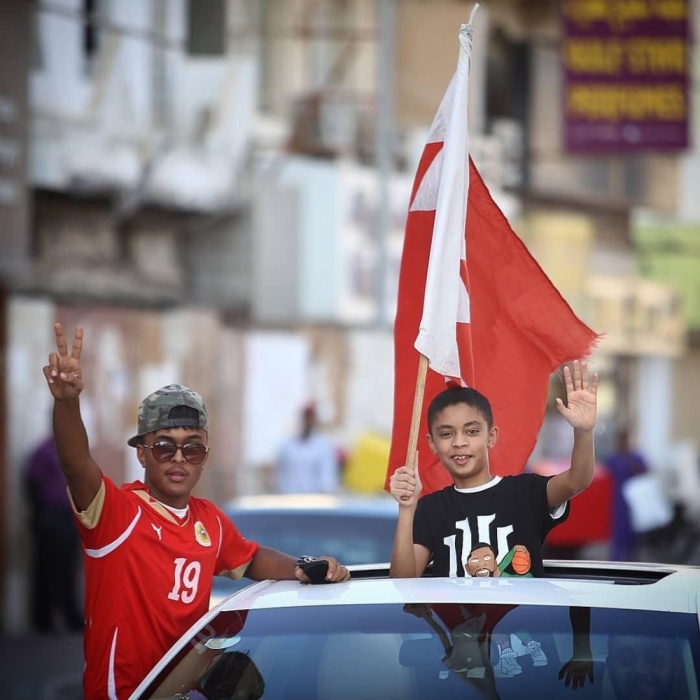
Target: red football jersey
{"x":148,"y":578}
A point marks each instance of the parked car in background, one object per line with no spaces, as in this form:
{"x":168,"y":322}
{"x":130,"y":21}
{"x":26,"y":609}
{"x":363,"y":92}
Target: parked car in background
{"x":353,"y":528}
{"x":588,"y":630}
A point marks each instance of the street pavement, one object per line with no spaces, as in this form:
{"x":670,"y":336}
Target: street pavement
{"x":42,"y":667}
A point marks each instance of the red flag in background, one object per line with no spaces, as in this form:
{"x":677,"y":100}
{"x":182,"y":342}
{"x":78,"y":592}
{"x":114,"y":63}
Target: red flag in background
{"x":473,"y":301}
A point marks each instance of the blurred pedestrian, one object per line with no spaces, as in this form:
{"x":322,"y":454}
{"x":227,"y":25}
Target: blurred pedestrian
{"x":308,"y":462}
{"x":623,"y":464}
{"x":55,"y":547}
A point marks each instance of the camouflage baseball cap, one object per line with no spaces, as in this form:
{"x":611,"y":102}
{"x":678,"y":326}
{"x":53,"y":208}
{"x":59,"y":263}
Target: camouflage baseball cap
{"x":154,"y":411}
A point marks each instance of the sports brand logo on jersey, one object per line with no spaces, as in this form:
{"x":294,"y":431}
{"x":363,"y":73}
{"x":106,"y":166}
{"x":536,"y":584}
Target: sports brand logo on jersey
{"x":158,"y":529}
{"x":201,"y":534}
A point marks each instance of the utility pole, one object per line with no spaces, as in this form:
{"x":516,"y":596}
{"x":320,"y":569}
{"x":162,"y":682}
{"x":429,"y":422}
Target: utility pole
{"x":384,"y":145}
{"x":15,"y":23}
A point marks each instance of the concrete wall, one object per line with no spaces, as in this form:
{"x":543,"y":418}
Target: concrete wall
{"x":140,"y":115}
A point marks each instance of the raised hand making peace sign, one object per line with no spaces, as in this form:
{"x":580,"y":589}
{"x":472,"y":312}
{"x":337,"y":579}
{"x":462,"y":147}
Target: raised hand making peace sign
{"x":63,"y":373}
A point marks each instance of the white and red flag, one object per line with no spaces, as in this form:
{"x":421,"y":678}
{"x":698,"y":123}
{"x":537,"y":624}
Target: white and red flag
{"x":473,"y":302}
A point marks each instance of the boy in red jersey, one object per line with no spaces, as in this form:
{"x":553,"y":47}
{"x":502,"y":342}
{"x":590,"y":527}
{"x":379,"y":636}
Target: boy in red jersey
{"x":151,"y":548}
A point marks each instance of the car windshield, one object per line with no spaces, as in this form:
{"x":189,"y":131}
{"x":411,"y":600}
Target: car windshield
{"x":360,"y":538}
{"x":353,"y":539}
{"x":444,"y":651}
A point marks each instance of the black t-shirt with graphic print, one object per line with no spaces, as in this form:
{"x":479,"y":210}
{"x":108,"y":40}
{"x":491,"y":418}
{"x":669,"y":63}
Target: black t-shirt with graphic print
{"x":506,"y":512}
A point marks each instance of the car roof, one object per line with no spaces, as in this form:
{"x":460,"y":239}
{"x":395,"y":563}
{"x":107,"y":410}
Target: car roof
{"x":581,"y":583}
{"x":594,"y":584}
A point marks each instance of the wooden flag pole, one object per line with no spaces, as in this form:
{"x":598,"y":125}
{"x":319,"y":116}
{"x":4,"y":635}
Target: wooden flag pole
{"x":412,"y":452}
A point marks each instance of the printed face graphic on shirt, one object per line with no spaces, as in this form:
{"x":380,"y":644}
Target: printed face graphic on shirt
{"x":461,"y":439}
{"x":482,"y":562}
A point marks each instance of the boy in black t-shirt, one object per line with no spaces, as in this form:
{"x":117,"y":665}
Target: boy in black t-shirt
{"x":484,"y":525}
{"x":503,"y":512}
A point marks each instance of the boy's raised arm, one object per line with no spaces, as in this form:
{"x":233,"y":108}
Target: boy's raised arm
{"x":580,"y":412}
{"x":65,"y":380}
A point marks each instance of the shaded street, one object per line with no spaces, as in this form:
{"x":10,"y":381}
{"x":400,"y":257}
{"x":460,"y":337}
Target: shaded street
{"x":42,"y":667}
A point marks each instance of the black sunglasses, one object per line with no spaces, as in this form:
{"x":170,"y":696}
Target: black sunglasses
{"x":193,"y":452}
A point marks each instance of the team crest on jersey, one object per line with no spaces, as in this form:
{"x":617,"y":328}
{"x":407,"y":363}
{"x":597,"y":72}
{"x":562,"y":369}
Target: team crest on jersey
{"x":201,"y":534}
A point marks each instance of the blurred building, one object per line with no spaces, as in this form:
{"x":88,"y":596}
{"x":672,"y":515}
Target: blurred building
{"x":604,"y":200}
{"x":217,"y":190}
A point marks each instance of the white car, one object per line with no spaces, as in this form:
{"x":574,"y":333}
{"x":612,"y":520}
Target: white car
{"x":588,"y":630}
